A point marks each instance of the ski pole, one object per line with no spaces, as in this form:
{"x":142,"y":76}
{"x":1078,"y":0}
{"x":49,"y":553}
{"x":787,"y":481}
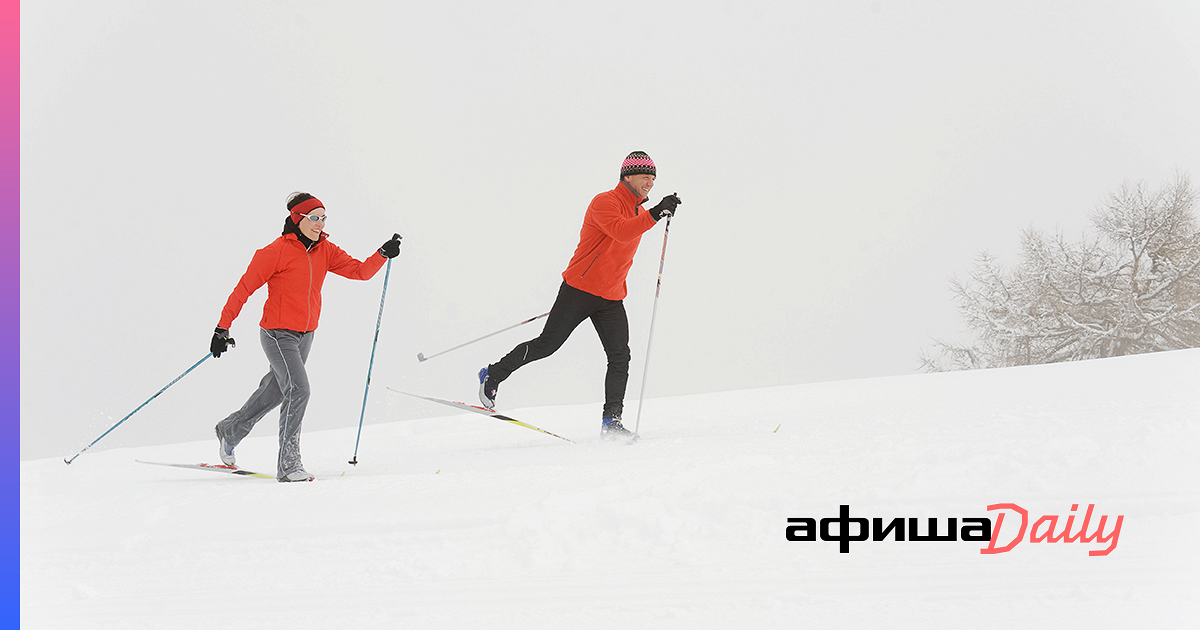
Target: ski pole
{"x":386,"y":274}
{"x":653,"y":314}
{"x":422,"y":357}
{"x":110,"y":430}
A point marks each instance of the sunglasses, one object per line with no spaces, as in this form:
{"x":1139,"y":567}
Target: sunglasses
{"x":311,"y":217}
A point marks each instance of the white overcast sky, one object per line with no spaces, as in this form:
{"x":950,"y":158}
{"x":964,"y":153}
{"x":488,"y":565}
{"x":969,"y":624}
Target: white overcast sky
{"x":838,"y":163}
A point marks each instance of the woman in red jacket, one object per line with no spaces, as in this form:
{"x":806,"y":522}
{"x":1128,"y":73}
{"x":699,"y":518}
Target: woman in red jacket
{"x":594,"y":288}
{"x":293,"y":267}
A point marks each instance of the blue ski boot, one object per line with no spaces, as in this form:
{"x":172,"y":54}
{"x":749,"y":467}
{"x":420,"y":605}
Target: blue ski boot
{"x":487,"y":389}
{"x":612,"y":429}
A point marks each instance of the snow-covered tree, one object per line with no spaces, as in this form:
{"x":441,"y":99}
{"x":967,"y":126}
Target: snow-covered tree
{"x":1133,"y":289}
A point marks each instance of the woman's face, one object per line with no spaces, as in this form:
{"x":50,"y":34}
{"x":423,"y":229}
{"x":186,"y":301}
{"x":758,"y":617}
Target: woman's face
{"x":312,"y":229}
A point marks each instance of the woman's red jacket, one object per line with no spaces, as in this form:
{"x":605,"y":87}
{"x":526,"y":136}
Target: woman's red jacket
{"x":294,"y":276}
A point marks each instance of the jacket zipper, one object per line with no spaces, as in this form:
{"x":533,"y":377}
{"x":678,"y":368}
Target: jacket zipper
{"x":636,"y":207}
{"x":308,"y":297}
{"x":589,"y":267}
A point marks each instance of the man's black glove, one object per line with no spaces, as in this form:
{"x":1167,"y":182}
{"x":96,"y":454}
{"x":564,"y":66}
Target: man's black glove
{"x":221,"y":342}
{"x":391,"y":249}
{"x":666,"y":207}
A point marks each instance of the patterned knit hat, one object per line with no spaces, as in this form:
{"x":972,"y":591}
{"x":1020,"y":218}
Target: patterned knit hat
{"x":638,"y":163}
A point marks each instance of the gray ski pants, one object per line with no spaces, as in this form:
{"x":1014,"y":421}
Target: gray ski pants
{"x":286,"y":387}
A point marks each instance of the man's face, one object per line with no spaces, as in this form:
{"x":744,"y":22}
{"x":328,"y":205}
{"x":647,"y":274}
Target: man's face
{"x":641,"y":184}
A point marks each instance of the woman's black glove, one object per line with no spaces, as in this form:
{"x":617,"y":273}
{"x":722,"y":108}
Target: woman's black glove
{"x":221,"y":342}
{"x":391,"y":249}
{"x":666,"y":207}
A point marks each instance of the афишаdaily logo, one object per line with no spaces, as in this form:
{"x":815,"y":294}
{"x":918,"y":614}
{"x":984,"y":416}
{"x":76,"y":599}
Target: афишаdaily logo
{"x":844,"y":530}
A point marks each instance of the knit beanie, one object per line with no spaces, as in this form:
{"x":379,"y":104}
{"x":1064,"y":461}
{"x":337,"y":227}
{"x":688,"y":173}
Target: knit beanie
{"x":637,"y":163}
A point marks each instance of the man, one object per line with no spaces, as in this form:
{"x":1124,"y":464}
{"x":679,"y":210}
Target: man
{"x":293,"y":267}
{"x":594,"y":288}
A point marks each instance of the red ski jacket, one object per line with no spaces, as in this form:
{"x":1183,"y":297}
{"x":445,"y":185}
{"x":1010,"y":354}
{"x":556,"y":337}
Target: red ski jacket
{"x":612,"y":229}
{"x":294,"y":277}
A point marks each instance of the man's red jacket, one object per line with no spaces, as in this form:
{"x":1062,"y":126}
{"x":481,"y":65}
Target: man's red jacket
{"x":612,"y":229}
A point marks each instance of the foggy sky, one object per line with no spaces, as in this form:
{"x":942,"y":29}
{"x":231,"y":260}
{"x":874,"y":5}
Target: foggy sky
{"x":838,"y":163}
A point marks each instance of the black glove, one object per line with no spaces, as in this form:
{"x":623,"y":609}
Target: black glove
{"x":221,"y":342}
{"x":391,"y":249}
{"x":666,"y":207}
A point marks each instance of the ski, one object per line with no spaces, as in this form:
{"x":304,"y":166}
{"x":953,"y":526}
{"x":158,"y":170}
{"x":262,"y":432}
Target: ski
{"x":232,"y":470}
{"x":482,"y":410}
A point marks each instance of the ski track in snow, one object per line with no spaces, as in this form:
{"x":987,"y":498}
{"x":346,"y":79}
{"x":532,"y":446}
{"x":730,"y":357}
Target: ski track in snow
{"x":465,"y":521}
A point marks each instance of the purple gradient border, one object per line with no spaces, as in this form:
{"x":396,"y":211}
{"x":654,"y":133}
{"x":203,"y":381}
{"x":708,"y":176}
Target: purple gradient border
{"x":10,"y":312}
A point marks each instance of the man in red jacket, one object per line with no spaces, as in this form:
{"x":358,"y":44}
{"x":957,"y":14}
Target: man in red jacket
{"x":293,"y":267}
{"x":594,"y":288}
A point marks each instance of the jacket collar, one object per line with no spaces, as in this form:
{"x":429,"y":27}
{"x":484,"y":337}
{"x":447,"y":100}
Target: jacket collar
{"x":626,"y":191}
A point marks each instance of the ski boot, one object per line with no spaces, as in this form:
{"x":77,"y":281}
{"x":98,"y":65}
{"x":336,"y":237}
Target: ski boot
{"x":487,"y":389}
{"x":612,"y":429}
{"x":227,"y":457}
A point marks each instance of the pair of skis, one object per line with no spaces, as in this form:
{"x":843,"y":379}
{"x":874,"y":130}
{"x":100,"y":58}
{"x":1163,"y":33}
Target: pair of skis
{"x":234,"y":470}
{"x":499,"y":416}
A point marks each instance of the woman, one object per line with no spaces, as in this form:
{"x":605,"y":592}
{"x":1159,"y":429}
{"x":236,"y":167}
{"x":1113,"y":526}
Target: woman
{"x":293,"y":267}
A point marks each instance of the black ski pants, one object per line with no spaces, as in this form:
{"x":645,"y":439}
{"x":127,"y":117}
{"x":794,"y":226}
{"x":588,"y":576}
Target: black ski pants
{"x":570,"y":309}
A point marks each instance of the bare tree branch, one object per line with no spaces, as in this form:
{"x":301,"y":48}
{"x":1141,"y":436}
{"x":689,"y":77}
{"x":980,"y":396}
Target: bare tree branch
{"x":1135,"y":289}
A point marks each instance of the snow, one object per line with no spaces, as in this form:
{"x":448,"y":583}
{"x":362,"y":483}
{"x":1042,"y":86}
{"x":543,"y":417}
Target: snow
{"x":464,"y":521}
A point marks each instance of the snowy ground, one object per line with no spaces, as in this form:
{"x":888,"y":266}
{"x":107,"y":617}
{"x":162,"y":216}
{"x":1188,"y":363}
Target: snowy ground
{"x":463,"y":521}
